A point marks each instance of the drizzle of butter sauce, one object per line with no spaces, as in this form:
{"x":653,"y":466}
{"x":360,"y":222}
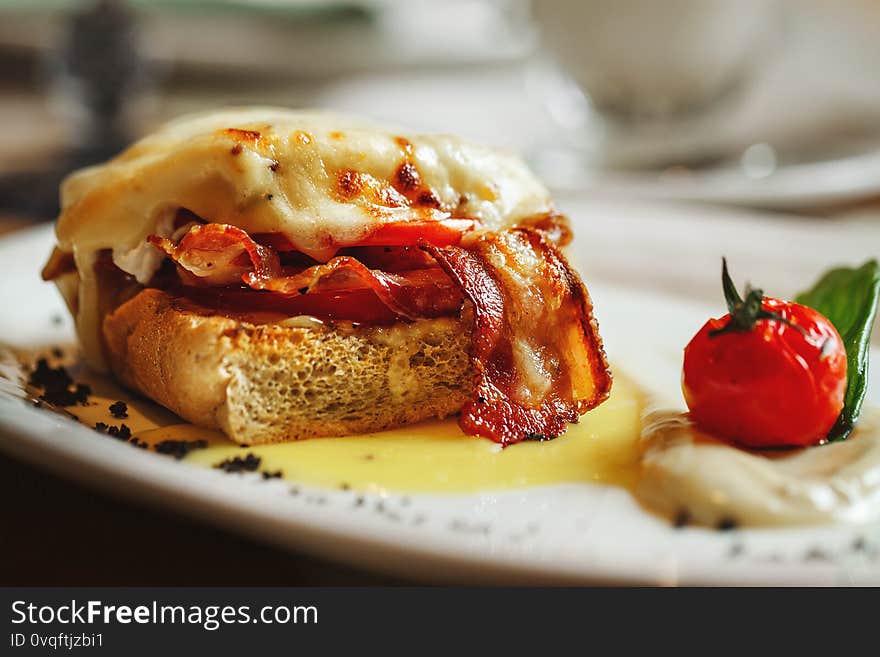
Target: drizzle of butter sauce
{"x":429,"y":457}
{"x":692,"y":475}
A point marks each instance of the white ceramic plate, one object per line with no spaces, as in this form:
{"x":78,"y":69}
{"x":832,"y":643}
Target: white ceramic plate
{"x":573,"y":533}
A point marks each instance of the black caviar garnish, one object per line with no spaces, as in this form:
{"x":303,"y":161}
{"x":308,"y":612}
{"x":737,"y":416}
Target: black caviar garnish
{"x":538,"y":437}
{"x":119,"y":409}
{"x":57,"y":385}
{"x":726,"y":524}
{"x":179,"y":448}
{"x":682,"y":519}
{"x":82,"y":392}
{"x":44,"y":376}
{"x":122,"y":432}
{"x":137,"y":442}
{"x":271,"y":475}
{"x":249,"y":463}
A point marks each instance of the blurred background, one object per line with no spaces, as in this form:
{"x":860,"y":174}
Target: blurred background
{"x":669,"y":127}
{"x":763,"y":103}
{"x":670,"y":131}
{"x":760,"y":104}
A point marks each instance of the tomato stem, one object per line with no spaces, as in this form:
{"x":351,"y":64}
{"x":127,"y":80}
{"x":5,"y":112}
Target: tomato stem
{"x":745,"y":313}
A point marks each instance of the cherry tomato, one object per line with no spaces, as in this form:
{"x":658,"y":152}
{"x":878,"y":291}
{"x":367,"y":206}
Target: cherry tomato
{"x":770,"y":373}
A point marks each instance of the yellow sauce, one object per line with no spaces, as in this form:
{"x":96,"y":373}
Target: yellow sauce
{"x":427,"y":457}
{"x":669,"y":466}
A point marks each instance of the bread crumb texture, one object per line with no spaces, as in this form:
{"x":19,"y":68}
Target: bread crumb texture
{"x":263,"y":383}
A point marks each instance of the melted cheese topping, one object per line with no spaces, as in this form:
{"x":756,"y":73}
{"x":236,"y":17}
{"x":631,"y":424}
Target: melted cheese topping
{"x":428,"y":457}
{"x":323,"y":180}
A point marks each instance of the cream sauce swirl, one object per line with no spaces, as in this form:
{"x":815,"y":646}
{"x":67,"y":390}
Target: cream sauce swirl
{"x":687,"y":472}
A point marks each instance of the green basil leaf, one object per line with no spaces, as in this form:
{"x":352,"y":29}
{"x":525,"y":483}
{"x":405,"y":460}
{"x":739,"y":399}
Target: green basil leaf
{"x":848,"y":298}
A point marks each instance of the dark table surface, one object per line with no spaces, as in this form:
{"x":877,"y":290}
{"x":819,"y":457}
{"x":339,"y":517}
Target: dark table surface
{"x":57,"y":533}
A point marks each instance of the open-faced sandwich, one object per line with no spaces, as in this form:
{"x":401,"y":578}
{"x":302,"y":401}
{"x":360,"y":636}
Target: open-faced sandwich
{"x":283,"y":275}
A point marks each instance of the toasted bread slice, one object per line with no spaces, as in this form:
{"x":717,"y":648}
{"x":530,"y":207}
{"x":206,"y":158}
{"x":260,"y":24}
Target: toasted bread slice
{"x":264,"y":383}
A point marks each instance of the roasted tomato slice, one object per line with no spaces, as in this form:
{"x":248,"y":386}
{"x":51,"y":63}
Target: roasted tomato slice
{"x":442,"y":232}
{"x":405,"y":233}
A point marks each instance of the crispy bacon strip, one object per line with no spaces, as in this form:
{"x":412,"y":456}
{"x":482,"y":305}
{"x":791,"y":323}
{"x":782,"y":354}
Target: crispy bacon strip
{"x":554,"y":227}
{"x":535,"y":347}
{"x":59,"y":263}
{"x":219,"y":254}
{"x":412,"y":294}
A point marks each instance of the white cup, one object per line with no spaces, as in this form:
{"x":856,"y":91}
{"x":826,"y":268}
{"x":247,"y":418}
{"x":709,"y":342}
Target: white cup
{"x":641,"y":60}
